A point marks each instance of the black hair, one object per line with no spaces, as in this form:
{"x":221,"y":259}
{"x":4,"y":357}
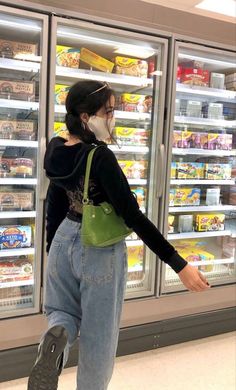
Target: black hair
{"x":85,"y":97}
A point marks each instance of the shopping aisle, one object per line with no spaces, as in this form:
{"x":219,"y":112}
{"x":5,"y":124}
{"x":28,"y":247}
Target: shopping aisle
{"x":206,"y":364}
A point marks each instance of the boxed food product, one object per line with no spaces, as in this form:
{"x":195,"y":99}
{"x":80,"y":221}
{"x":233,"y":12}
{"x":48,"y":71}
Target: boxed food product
{"x":60,"y":130}
{"x":185,"y":223}
{"x":177,"y":107}
{"x":16,"y":200}
{"x":131,"y":66}
{"x":195,"y":76}
{"x":193,"y":139}
{"x":217,"y":80}
{"x":231,"y":86}
{"x":228,"y":142}
{"x":96,"y":61}
{"x":67,"y":56}
{"x":173,"y":170}
{"x":179,"y":73}
{"x":218,"y":171}
{"x":12,"y":237}
{"x":135,"y":103}
{"x":131,"y":135}
{"x":21,"y":90}
{"x":12,"y":129}
{"x":194,"y":108}
{"x":19,"y":50}
{"x":230,"y":78}
{"x":186,"y":197}
{"x":140,"y":194}
{"x":215,"y":110}
{"x":14,"y":268}
{"x":171,"y":222}
{"x":209,"y":222}
{"x":135,"y":255}
{"x":16,"y":167}
{"x":232,"y":195}
{"x":61,"y":92}
{"x":177,"y":139}
{"x":172,"y":197}
{"x":193,"y":64}
{"x":213,"y":196}
{"x":134,"y":169}
{"x":190,"y":170}
{"x":220,"y":141}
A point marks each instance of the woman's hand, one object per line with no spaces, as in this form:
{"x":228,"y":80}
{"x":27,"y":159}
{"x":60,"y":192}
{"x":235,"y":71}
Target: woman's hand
{"x":193,"y":279}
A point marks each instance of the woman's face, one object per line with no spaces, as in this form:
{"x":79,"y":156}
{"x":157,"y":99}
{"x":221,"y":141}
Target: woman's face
{"x":107,"y":111}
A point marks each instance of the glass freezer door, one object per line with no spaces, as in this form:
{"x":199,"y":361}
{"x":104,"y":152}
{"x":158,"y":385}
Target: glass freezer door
{"x":202,"y":196}
{"x":134,"y":66}
{"x":22,"y":123}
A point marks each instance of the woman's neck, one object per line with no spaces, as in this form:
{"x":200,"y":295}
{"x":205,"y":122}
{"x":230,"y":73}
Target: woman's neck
{"x":73,"y":140}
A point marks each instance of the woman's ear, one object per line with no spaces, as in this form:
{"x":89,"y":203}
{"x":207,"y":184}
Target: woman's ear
{"x":84,"y":117}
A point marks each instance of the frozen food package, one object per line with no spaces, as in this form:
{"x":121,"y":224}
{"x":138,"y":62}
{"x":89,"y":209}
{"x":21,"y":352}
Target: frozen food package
{"x":96,"y":61}
{"x":177,"y":107}
{"x":20,"y":167}
{"x":195,"y":76}
{"x":192,"y":139}
{"x":171,"y":223}
{"x":135,"y":255}
{"x":18,"y":50}
{"x":140,"y":194}
{"x":134,"y":169}
{"x":135,"y":103}
{"x":231,"y":86}
{"x":209,"y":222}
{"x":194,"y":108}
{"x":61,"y":92}
{"x":131,"y":66}
{"x":190,"y":170}
{"x":215,"y":111}
{"x":213,"y":196}
{"x":131,"y":135}
{"x":218,"y":171}
{"x":193,"y":64}
{"x":173,"y":170}
{"x":67,"y":56}
{"x":230,"y":78}
{"x":216,"y":141}
{"x":172,"y":197}
{"x":185,"y":223}
{"x":16,"y":200}
{"x":19,"y":90}
{"x":16,"y":268}
{"x":187,"y":197}
{"x":60,"y":130}
{"x":18,"y":129}
{"x":217,"y":80}
{"x":12,"y":237}
{"x":177,"y":139}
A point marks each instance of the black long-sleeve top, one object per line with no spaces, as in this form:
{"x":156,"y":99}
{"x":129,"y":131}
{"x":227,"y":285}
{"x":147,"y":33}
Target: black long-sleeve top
{"x":65,"y":166}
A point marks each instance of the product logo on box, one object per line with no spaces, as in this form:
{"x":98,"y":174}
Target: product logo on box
{"x":12,"y":238}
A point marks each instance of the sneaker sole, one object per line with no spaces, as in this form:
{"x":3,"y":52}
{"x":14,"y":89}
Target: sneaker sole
{"x":45,"y":372}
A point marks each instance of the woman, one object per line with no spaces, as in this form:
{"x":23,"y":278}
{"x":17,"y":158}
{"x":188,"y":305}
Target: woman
{"x":85,"y":285}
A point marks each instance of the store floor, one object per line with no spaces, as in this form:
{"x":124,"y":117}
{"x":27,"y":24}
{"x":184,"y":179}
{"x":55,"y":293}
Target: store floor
{"x":206,"y":364}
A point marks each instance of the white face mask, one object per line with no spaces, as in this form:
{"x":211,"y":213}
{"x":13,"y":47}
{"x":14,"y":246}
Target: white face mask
{"x":101,"y":127}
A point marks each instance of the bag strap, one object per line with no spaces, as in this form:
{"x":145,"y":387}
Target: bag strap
{"x":87,"y":174}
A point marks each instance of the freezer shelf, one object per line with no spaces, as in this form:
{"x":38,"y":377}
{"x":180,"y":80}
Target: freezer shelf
{"x":17,"y":252}
{"x":18,"y":181}
{"x":203,"y":152}
{"x":19,"y":65}
{"x":17,"y":214}
{"x":209,"y":262}
{"x":19,"y":143}
{"x":16,"y":284}
{"x":129,"y":149}
{"x":222,"y":94}
{"x":19,"y":104}
{"x":205,"y":121}
{"x":217,"y":233}
{"x":187,"y":209}
{"x":202,"y":181}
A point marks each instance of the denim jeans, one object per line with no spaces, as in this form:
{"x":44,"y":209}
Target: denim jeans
{"x":84,"y":293}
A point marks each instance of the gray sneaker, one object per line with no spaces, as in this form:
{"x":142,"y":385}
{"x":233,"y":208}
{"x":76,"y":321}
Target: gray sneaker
{"x":47,"y":368}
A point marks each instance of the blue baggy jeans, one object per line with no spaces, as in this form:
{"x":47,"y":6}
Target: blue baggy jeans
{"x":84,"y":293}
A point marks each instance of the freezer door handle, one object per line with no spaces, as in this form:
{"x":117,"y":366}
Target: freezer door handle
{"x":160,"y":170}
{"x":44,"y":179}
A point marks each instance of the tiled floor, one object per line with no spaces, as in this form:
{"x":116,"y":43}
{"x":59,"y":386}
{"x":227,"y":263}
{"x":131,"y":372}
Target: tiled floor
{"x":206,"y":364}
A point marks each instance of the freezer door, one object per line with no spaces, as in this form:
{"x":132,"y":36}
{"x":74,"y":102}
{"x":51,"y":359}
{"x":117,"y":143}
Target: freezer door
{"x":134,"y":65}
{"x":23,"y":52}
{"x":201,"y":190}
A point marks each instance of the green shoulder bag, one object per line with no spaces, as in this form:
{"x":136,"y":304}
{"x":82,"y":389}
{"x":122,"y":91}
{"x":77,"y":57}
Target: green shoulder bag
{"x":101,"y":226}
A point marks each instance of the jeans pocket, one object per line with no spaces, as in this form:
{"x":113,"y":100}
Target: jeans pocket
{"x":98,"y":264}
{"x":53,"y":256}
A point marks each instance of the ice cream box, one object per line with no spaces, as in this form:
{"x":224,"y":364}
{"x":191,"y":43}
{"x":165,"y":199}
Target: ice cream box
{"x":61,"y":92}
{"x":12,"y":237}
{"x":140,"y":194}
{"x":96,"y":61}
{"x":218,"y":171}
{"x":12,"y":129}
{"x":230,"y":78}
{"x":135,"y":103}
{"x":18,"y":50}
{"x":195,"y":76}
{"x":172,"y":197}
{"x":60,"y":130}
{"x":194,"y":108}
{"x":209,"y":222}
{"x":217,"y":80}
{"x":177,"y":139}
{"x":67,"y":56}
{"x":19,"y":90}
{"x":135,"y":256}
{"x":231,"y":86}
{"x":195,"y":254}
{"x":16,"y":268}
{"x":171,"y":222}
{"x":216,"y":141}
{"x":16,"y":200}
{"x":173,"y":170}
{"x":187,"y":197}
{"x":134,"y":169}
{"x":215,"y":111}
{"x":20,"y":167}
{"x":131,"y":66}
{"x":192,"y":139}
{"x":131,"y":136}
{"x":190,"y":170}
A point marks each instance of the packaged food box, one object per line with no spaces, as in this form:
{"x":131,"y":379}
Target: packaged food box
{"x":232,"y":195}
{"x":190,"y":170}
{"x":135,"y":255}
{"x":193,"y":64}
{"x":134,"y":169}
{"x":177,"y":107}
{"x":67,"y":56}
{"x":195,"y":76}
{"x":173,"y":170}
{"x":195,"y":140}
{"x":177,"y":139}
{"x":215,"y":110}
{"x":218,"y":171}
{"x":213,"y":196}
{"x":186,"y":197}
{"x":16,"y":268}
{"x":171,"y":221}
{"x":193,"y":254}
{"x":140,"y":194}
{"x":220,"y":141}
{"x":19,"y":50}
{"x":172,"y":197}
{"x":217,"y":80}
{"x":16,"y":129}
{"x":185,"y":223}
{"x":135,"y":103}
{"x":60,"y":130}
{"x":12,"y":237}
{"x":96,"y":61}
{"x":131,"y":136}
{"x":131,"y":66}
{"x":230,"y":78}
{"x":179,"y":73}
{"x":20,"y":90}
{"x":209,"y":222}
{"x":194,"y":108}
{"x":231,"y":86}
{"x":16,"y":200}
{"x":61,"y":92}
{"x":16,"y":167}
